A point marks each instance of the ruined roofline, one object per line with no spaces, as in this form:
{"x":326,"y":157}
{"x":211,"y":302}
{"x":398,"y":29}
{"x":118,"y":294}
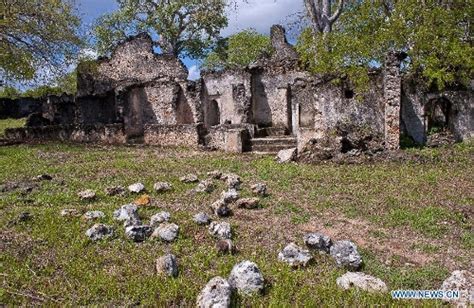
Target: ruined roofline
{"x":140,"y":36}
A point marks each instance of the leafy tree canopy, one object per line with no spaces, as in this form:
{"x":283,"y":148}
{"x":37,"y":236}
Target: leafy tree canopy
{"x":238,"y":51}
{"x":36,"y":35}
{"x":182,"y":27}
{"x":435,"y":35}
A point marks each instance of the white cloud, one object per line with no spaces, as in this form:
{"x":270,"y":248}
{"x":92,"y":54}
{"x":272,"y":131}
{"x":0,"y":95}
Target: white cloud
{"x":261,"y":15}
{"x":194,"y":73}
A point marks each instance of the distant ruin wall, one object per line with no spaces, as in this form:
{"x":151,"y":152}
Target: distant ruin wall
{"x":19,"y":108}
{"x":173,"y":135}
{"x":109,"y":134}
{"x":133,"y":62}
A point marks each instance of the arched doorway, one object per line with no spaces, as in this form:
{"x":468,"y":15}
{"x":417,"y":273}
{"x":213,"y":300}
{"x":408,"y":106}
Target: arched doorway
{"x":213,"y":114}
{"x":438,"y":115}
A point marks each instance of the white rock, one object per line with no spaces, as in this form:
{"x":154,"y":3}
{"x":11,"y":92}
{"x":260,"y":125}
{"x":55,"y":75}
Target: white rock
{"x":91,"y":215}
{"x":100,"y":231}
{"x":189,"y":178}
{"x":205,"y":186}
{"x":127,"y":213}
{"x":246,"y":278}
{"x":220,"y":230}
{"x":202,"y":218}
{"x":346,"y":255}
{"x":159,"y":218}
{"x":167,"y":265}
{"x":216,"y":294}
{"x":464,"y":282}
{"x":220,"y":208}
{"x":166,"y":232}
{"x":136,"y":188}
{"x":362,"y":281}
{"x":318,"y":241}
{"x":138,"y":233}
{"x":161,"y":187}
{"x":294,"y":255}
{"x":230,"y":196}
{"x":286,"y":156}
{"x":259,"y":189}
{"x":70,"y":213}
{"x":87,"y":195}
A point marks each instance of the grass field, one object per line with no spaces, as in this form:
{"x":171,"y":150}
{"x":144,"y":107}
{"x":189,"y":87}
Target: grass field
{"x":10,"y":123}
{"x":412,"y":221}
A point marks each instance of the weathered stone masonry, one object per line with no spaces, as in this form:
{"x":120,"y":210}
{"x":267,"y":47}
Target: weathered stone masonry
{"x":139,"y":96}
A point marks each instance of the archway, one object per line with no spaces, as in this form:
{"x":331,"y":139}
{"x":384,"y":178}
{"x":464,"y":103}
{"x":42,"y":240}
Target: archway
{"x":438,"y":115}
{"x":213,"y":114}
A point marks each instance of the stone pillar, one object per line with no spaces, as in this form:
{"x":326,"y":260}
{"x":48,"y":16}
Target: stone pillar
{"x":392,"y":97}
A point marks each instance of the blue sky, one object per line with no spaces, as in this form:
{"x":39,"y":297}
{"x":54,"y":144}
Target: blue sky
{"x":257,"y":14}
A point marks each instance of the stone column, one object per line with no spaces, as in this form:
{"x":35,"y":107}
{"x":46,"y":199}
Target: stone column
{"x":392,"y":97}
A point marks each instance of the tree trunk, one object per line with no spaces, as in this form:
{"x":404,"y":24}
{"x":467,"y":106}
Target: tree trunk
{"x":320,"y":14}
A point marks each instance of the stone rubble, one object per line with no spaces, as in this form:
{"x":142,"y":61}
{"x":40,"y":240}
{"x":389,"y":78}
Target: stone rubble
{"x":162,"y":187}
{"x":128,"y":214}
{"x":259,"y":189}
{"x":220,"y":208}
{"x":189,"y":178}
{"x":99,"y":231}
{"x":159,"y":218}
{"x":138,"y":233}
{"x":318,"y":242}
{"x":92,"y":215}
{"x":286,"y":156}
{"x":216,"y":294}
{"x":246,"y":278}
{"x":230,"y":196}
{"x":202,"y":218}
{"x":362,"y":281}
{"x":166,"y":232}
{"x":464,"y":282}
{"x":167,"y":265}
{"x":225,"y":247}
{"x":346,"y":255}
{"x":205,"y":186}
{"x":220,"y":230}
{"x":232,"y":180}
{"x":143,"y":200}
{"x":216,"y":174}
{"x":136,"y":188}
{"x":87,"y":195}
{"x":70,"y":213}
{"x":247,"y":203}
{"x":294,"y":255}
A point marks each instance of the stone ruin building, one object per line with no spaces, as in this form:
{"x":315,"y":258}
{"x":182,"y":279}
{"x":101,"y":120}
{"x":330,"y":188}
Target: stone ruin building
{"x":137,"y":96}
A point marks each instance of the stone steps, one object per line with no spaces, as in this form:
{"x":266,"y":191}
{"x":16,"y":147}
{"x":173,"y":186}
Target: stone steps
{"x":272,"y":145}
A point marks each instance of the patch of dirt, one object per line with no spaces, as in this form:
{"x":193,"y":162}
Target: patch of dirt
{"x":390,"y":244}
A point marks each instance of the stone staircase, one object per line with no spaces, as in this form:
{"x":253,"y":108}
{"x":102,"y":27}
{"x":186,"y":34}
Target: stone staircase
{"x":271,"y":140}
{"x":272,"y":145}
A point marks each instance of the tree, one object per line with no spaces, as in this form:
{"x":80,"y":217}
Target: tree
{"x":37,"y":35}
{"x":181,"y":27}
{"x":239,"y":51}
{"x":432,"y":33}
{"x":320,"y":14}
{"x":9,"y":92}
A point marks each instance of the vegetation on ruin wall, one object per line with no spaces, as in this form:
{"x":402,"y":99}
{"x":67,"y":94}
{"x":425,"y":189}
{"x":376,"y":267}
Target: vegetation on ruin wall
{"x":183,"y":27}
{"x":435,"y":37}
{"x":420,"y":207}
{"x":238,"y":51}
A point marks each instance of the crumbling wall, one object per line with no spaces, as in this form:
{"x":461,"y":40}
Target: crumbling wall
{"x":60,"y":110}
{"x":232,"y":91}
{"x":414,"y":117}
{"x":133,"y":62}
{"x":325,"y":109}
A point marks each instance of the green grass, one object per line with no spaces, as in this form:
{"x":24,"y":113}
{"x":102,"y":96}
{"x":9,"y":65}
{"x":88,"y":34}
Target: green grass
{"x":48,"y":260}
{"x":10,"y":123}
